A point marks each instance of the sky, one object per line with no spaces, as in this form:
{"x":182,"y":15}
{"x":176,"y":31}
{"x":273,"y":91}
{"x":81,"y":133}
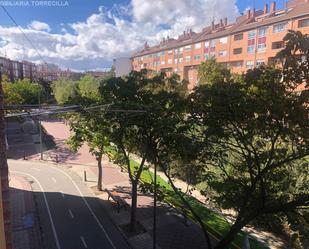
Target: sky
{"x":89,"y":34}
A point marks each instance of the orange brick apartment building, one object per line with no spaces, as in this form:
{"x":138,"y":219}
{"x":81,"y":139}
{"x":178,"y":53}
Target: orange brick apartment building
{"x":253,"y":39}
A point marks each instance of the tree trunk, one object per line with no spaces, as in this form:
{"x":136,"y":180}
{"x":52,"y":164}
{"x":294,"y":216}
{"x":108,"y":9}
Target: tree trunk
{"x":234,"y":230}
{"x":187,"y":205}
{"x":133,"y":206}
{"x":100,"y":172}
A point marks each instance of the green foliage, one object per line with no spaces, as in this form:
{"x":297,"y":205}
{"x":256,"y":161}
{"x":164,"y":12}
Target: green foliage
{"x":22,"y":92}
{"x":257,"y":138}
{"x":211,"y":71}
{"x":89,"y":87}
{"x":295,"y":59}
{"x":65,"y":91}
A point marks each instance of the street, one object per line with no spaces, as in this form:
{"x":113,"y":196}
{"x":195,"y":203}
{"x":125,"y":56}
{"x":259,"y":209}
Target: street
{"x":70,"y":216}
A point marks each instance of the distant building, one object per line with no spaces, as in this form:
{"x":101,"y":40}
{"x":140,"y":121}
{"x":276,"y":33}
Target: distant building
{"x":123,"y":66}
{"x":252,"y":40}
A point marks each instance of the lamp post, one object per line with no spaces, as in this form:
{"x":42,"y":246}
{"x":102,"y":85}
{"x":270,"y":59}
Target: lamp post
{"x":155,"y":208}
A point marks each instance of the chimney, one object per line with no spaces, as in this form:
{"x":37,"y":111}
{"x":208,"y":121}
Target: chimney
{"x":253,"y":13}
{"x":265,"y":8}
{"x":212,"y":25}
{"x":273,"y":7}
{"x":249,"y":14}
{"x":225,"y":21}
{"x":221,"y":23}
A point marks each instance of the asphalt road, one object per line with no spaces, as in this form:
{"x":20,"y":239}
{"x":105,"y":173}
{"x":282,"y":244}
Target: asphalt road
{"x":70,"y":216}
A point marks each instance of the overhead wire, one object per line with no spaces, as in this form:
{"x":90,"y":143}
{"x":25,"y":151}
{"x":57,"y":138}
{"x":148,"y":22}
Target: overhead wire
{"x":24,"y":34}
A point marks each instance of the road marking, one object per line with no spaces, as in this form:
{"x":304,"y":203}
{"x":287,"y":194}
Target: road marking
{"x":84,"y":242}
{"x":47,"y":206}
{"x":35,"y":169}
{"x":54,"y":179}
{"x":71,"y":214}
{"x":88,"y":206}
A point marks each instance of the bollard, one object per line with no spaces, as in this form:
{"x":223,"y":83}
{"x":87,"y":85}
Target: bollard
{"x":85,"y":176}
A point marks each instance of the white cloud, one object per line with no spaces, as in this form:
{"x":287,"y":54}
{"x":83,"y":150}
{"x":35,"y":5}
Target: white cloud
{"x":112,"y":33}
{"x":36,"y":25}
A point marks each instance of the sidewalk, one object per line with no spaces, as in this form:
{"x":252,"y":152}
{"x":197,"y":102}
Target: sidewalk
{"x":25,"y":225}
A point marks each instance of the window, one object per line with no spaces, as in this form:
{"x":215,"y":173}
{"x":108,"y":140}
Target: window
{"x":175,"y":61}
{"x":176,"y":51}
{"x":206,"y":56}
{"x":207,"y":44}
{"x":188,"y":48}
{"x":180,"y":60}
{"x":162,"y":62}
{"x":262,"y":32}
{"x":181,"y":49}
{"x":303,"y":23}
{"x":277,"y":45}
{"x":222,"y":53}
{"x":238,"y":37}
{"x":212,"y":54}
{"x":223,"y":40}
{"x":170,"y":52}
{"x":236,"y":64}
{"x":250,"y":64}
{"x":260,"y":62}
{"x":280,"y":27}
{"x":212,"y":43}
{"x":169,"y":61}
{"x":251,"y":49}
{"x":251,"y":35}
{"x":175,"y":70}
{"x":188,"y":58}
{"x":198,"y":45}
{"x":197,"y":57}
{"x":261,"y":47}
{"x":237,"y":51}
{"x":162,"y":53}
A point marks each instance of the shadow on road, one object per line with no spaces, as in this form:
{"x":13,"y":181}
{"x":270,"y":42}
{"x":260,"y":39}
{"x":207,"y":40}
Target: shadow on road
{"x":172,"y":232}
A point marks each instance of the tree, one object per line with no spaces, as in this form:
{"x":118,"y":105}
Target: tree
{"x":65,"y":91}
{"x":92,"y":129}
{"x":135,"y":133}
{"x":22,"y":92}
{"x":211,"y":71}
{"x":254,"y":138}
{"x":295,"y":59}
{"x":88,"y":87}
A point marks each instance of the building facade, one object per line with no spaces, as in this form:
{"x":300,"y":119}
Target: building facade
{"x":122,"y":66}
{"x":253,"y":39}
{"x":16,"y":70}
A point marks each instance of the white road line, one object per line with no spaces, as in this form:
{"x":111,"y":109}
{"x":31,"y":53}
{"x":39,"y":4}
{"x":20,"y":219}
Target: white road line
{"x":54,"y":179}
{"x":88,"y":206}
{"x":83,"y":241}
{"x":35,"y":169}
{"x":47,"y":206}
{"x":71,"y":214}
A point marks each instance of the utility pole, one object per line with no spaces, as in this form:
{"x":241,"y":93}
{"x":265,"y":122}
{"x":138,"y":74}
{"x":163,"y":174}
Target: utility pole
{"x":154,"y":236}
{"x":40,"y":128}
{"x":5,"y":236}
